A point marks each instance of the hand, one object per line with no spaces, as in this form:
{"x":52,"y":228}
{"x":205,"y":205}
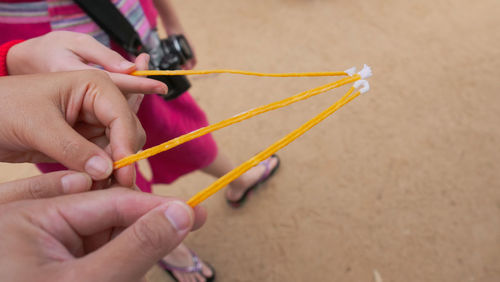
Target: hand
{"x":189,"y":65}
{"x":69,"y":117}
{"x":48,"y":240}
{"x":64,"y":51}
{"x":45,"y":186}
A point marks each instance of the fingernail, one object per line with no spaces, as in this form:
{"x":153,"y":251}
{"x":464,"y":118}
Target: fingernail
{"x":98,"y":167}
{"x":178,"y":214}
{"x":75,"y":182}
{"x":126,"y":65}
{"x":161,"y":90}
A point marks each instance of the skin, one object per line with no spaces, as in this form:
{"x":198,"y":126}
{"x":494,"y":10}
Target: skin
{"x":80,"y":119}
{"x":173,"y":25}
{"x":65,"y":51}
{"x":53,"y":239}
{"x":64,"y":238}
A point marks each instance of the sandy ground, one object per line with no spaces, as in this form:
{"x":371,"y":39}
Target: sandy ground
{"x":403,"y":181}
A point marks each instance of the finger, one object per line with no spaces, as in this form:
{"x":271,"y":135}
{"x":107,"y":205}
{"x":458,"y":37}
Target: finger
{"x":201,"y":217}
{"x":127,"y":83}
{"x":92,"y":51}
{"x":126,"y":176}
{"x":189,"y":65}
{"x":45,"y":186}
{"x":135,"y":84}
{"x":135,"y":100}
{"x":145,"y":242}
{"x":93,"y":212}
{"x":126,"y":135}
{"x":66,"y":146}
{"x":92,"y":215}
{"x":142,"y":61}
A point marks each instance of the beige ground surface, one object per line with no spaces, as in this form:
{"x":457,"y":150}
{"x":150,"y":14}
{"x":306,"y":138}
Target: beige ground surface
{"x":405,"y":180}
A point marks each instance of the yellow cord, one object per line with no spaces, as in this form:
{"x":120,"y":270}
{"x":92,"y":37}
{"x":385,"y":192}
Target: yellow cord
{"x":238,"y":171}
{"x":244,"y":167}
{"x":240,"y":117}
{"x":194,"y":72}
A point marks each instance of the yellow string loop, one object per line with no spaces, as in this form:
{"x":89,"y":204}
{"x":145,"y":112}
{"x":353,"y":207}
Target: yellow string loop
{"x":238,"y":171}
{"x":240,"y":117}
{"x":244,"y":167}
{"x":200,"y":72}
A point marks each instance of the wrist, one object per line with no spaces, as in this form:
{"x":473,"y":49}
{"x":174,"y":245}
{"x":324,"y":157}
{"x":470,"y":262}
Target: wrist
{"x":5,"y":61}
{"x":171,"y":29}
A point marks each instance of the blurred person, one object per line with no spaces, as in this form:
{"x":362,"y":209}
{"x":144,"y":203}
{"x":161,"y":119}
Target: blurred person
{"x":162,"y":120}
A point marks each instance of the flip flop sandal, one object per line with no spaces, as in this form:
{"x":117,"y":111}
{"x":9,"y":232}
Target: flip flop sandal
{"x":196,"y":267}
{"x":263,"y":178}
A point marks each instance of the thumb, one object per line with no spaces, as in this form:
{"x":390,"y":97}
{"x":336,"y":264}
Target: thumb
{"x":130,"y":255}
{"x":62,"y":143}
{"x":45,"y":186}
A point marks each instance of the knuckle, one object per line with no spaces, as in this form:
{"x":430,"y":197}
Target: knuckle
{"x":55,"y":35}
{"x":70,"y":149}
{"x":81,"y":38}
{"x":114,"y":54}
{"x":36,"y":189}
{"x":148,"y":236}
{"x":96,"y":74}
{"x":95,"y":78}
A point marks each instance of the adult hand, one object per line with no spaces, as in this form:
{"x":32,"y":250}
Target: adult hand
{"x":47,"y":240}
{"x":45,"y":186}
{"x":64,"y":51}
{"x":68,"y":117}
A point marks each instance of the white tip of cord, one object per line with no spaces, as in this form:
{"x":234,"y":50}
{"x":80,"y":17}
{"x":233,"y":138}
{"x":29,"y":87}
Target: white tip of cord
{"x":366,"y":72}
{"x":364,"y":83}
{"x":351,"y":71}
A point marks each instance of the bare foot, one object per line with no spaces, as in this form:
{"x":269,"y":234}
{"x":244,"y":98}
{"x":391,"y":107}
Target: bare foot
{"x":182,"y":257}
{"x":249,"y":178}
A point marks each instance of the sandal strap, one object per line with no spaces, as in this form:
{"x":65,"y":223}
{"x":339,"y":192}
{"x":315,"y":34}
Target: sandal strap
{"x":266,"y":164}
{"x":196,"y":267}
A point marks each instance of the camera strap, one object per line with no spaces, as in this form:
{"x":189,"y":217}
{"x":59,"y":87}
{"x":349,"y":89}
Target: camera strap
{"x":113,"y":22}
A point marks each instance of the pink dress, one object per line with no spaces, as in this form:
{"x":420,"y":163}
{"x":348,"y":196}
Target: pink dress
{"x":24,"y":19}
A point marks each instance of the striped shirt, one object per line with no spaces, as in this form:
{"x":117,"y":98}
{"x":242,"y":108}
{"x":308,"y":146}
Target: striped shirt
{"x":24,"y":19}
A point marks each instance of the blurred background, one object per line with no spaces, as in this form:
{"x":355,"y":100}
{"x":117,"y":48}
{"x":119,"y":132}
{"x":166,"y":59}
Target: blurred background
{"x":403,"y":184}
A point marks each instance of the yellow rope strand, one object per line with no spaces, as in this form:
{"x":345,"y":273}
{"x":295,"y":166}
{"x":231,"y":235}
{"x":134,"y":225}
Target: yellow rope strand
{"x":240,"y":117}
{"x":244,"y":167}
{"x":199,"y":72}
{"x":238,"y":171}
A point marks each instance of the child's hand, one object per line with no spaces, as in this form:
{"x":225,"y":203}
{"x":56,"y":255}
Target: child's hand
{"x":79,"y":118}
{"x":189,"y":65}
{"x":65,"y":51}
{"x":172,"y":25}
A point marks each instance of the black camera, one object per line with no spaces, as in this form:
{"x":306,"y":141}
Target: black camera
{"x":168,"y":54}
{"x":171,"y":54}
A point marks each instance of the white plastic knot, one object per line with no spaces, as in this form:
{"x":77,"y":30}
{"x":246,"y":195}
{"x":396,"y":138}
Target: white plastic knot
{"x":351,"y":71}
{"x":364,"y":83}
{"x":366,"y":72}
